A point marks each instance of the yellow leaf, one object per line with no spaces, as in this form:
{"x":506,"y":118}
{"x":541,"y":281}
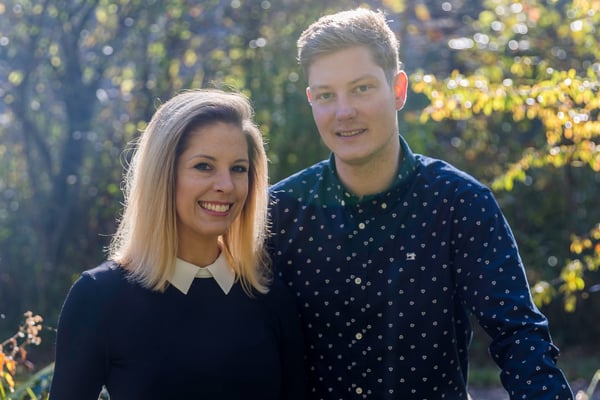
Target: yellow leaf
{"x":570,"y":303}
{"x":422,"y":12}
{"x":9,"y":381}
{"x":11,"y":366}
{"x":190,"y":58}
{"x":542,"y":293}
{"x":174,"y":68}
{"x":16,"y":77}
{"x":101,"y":15}
{"x":396,"y":6}
{"x":576,"y":247}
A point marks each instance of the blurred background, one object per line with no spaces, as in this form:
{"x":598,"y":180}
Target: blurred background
{"x":507,"y":90}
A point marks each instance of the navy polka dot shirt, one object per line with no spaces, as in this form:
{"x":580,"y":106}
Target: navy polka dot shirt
{"x":385,"y":285}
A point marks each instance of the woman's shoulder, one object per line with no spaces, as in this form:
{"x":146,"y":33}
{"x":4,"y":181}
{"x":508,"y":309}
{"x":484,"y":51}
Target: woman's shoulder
{"x":108,"y":269}
{"x":109,"y":274}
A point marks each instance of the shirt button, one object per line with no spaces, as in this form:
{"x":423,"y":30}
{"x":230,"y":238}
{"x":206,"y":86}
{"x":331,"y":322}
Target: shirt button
{"x":358,"y":336}
{"x":358,"y":390}
{"x":361,"y":225}
{"x":358,"y":281}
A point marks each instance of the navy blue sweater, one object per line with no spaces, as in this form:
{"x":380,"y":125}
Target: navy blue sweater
{"x":149,"y":345}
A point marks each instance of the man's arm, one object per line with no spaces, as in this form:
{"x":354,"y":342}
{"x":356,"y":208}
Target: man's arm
{"x":492,"y":285}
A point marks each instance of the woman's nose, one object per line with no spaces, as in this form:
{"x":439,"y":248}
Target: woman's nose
{"x":223,"y":182}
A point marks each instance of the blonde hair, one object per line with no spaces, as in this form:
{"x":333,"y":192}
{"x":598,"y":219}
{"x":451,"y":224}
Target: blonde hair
{"x":145,"y":243}
{"x":351,"y":28}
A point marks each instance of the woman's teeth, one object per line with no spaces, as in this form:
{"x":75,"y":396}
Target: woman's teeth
{"x":216,"y":207}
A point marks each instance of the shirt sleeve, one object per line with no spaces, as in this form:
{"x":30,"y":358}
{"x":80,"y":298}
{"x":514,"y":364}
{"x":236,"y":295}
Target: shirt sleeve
{"x":79,"y":364}
{"x":492,"y":285}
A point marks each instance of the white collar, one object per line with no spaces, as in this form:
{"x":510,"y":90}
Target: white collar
{"x":185,"y":273}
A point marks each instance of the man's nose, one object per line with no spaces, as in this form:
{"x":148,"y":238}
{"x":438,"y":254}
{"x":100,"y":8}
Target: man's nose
{"x":345,"y":108}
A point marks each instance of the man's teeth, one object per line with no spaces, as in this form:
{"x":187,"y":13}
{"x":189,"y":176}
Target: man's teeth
{"x":350,"y":133}
{"x":215,"y":207}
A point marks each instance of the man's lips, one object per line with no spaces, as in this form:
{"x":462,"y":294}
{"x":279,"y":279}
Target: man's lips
{"x":350,"y":133}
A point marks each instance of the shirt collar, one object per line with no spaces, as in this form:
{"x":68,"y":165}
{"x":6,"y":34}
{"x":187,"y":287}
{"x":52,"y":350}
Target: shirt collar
{"x":408,"y":165}
{"x":185,"y":273}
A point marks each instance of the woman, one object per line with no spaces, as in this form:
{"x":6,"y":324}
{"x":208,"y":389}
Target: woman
{"x":140,"y":324}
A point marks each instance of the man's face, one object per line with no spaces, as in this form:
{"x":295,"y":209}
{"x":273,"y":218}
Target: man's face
{"x":353,"y":104}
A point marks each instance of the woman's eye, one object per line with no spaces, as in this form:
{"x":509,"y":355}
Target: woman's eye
{"x":202,"y":166}
{"x":240,"y":169}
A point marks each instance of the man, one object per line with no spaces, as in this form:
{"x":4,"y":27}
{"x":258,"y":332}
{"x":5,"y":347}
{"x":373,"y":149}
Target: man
{"x":388,"y":251}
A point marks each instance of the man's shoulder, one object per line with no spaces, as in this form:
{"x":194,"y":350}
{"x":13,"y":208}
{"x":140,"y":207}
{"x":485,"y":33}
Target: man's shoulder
{"x":440,"y":172}
{"x":301,"y":180}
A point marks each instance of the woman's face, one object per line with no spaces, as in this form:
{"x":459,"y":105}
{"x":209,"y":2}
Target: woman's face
{"x":211,"y":182}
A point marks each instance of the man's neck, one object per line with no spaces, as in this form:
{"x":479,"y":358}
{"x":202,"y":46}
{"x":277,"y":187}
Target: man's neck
{"x":372,"y":177}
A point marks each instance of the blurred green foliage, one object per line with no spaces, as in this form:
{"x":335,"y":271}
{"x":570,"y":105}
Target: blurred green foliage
{"x":506,"y":90}
{"x":535,"y":65}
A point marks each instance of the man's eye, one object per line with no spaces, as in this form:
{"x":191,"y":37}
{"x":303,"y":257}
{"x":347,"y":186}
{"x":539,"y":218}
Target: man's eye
{"x":362,"y":88}
{"x":324,"y":96}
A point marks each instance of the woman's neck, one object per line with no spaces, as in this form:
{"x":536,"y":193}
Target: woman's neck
{"x":199,"y":254}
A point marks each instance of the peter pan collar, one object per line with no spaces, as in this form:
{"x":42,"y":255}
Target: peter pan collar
{"x":185,"y":273}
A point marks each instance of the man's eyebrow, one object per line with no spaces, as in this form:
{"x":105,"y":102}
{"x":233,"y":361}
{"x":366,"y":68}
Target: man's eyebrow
{"x":352,"y":82}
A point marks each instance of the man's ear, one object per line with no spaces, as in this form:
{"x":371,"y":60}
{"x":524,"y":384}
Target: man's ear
{"x":308,"y":95}
{"x":400,"y":89}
